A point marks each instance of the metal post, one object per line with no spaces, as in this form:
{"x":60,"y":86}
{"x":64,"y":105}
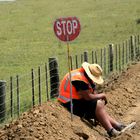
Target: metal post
{"x":39,"y":85}
{"x":111,"y":57}
{"x":86,"y":56}
{"x":18,"y":98}
{"x":2,"y":100}
{"x":33,"y":88}
{"x":132,"y":45}
{"x":47,"y":91}
{"x":11,"y":95}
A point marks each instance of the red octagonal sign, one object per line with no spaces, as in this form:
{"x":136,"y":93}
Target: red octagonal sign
{"x":67,"y":29}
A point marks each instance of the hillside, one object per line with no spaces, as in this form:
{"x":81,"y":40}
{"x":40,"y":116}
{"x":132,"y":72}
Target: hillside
{"x":52,"y":122}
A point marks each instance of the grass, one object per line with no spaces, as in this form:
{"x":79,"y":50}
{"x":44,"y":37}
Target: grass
{"x":26,"y":29}
{"x":27,"y":38}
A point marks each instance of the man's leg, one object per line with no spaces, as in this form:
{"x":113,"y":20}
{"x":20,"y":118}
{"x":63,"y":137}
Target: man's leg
{"x":115,"y":123}
{"x":106,"y":121}
{"x":102,"y":116}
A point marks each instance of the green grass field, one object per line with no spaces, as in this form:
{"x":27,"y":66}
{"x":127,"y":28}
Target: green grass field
{"x":26,"y":29}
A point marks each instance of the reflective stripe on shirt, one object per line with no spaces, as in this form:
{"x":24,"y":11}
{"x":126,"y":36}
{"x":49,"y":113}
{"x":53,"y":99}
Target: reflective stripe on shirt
{"x":64,"y":98}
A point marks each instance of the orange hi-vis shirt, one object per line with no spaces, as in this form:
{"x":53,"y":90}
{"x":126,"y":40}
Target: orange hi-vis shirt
{"x":64,"y":88}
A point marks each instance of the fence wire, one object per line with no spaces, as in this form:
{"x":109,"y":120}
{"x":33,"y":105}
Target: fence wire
{"x":20,"y":93}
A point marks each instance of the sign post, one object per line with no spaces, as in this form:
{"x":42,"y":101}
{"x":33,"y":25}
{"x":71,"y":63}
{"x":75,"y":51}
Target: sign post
{"x":67,"y":29}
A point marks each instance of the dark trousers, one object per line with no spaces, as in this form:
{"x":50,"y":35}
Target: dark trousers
{"x":82,"y":108}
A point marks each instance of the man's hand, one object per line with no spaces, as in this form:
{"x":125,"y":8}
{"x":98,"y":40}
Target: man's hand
{"x":103,"y":97}
{"x":87,"y":95}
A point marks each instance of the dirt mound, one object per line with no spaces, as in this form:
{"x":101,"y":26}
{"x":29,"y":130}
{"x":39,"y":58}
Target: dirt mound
{"x":49,"y":121}
{"x":52,"y":122}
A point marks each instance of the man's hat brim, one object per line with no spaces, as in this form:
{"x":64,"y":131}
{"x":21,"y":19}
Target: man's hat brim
{"x":97,"y":79}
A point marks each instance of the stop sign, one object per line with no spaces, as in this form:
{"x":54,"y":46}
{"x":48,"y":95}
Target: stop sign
{"x":67,"y":29}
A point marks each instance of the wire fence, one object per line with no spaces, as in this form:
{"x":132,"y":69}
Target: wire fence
{"x":21,"y":93}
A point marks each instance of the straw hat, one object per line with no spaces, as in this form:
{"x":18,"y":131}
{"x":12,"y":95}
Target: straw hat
{"x":94,"y":72}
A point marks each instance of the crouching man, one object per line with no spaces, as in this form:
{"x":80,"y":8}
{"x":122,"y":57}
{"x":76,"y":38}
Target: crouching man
{"x":86,"y":102}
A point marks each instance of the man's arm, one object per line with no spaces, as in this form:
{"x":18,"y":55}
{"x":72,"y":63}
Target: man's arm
{"x":87,"y":95}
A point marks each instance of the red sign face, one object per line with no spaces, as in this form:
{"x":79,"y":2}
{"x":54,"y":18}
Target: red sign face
{"x":67,"y":29}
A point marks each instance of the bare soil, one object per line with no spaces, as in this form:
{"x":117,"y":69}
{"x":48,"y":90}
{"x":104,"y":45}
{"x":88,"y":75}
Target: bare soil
{"x":52,"y":122}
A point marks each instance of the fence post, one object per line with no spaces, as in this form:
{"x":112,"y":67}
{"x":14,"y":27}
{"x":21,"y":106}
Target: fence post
{"x":111,"y":57}
{"x":123,"y":55}
{"x":101,"y":58}
{"x":136,"y":47}
{"x":132,"y":46}
{"x":96,"y":60}
{"x":129,"y":51}
{"x":116,"y":52}
{"x":119,"y":57}
{"x":104,"y":61}
{"x":138,"y":40}
{"x":126,"y":51}
{"x":33,"y":87}
{"x":76,"y":61}
{"x":39,"y":85}
{"x":82,"y":58}
{"x":86,"y":56}
{"x":47,"y":90}
{"x":11,"y":95}
{"x":18,"y":98}
{"x":2,"y":100}
{"x":92,"y":57}
{"x":54,"y":76}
